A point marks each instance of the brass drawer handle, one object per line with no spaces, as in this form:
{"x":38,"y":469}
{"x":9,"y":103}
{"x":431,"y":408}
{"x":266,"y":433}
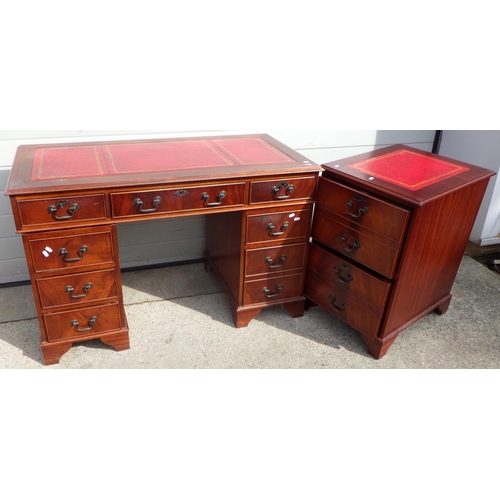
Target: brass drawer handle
{"x":53,"y":209}
{"x":340,"y":309}
{"x":86,"y":291}
{"x":270,"y":263}
{"x":280,"y":187}
{"x":349,"y":248}
{"x":361,"y":211}
{"x":91,"y":324}
{"x":271,"y":227}
{"x":270,"y":295}
{"x":220,"y":198}
{"x":338,"y":272}
{"x":81,"y":254}
{"x":139,"y":204}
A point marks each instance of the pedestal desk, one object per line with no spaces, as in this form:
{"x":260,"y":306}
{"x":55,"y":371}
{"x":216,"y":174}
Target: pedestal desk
{"x":68,"y":198}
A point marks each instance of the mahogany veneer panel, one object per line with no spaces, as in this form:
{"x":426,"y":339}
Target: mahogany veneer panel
{"x":278,"y":259}
{"x":60,"y":325}
{"x":376,"y":214}
{"x":77,"y":289}
{"x":286,"y":189}
{"x":356,"y":242}
{"x":70,"y":250}
{"x":349,"y":279}
{"x":269,"y":290}
{"x":178,"y":199}
{"x":345,"y":307}
{"x":274,"y":226}
{"x":38,"y":212}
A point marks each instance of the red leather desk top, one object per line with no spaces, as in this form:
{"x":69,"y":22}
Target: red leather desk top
{"x":118,"y":159}
{"x":51,"y":168}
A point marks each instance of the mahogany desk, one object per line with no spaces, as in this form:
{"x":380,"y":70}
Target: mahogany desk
{"x":67,"y":199}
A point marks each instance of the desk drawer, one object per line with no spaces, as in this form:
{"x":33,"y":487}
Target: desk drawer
{"x":349,"y":279}
{"x":343,"y":307}
{"x":61,"y":211}
{"x":71,"y":250}
{"x":356,"y":245}
{"x":276,"y":226}
{"x":82,"y":323}
{"x":149,"y":203}
{"x":368,"y":211}
{"x":77,"y":289}
{"x":273,"y":289}
{"x":275,"y":259}
{"x":277,"y":190}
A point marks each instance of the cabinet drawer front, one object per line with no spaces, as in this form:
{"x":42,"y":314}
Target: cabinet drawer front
{"x":277,"y":226}
{"x":282,"y":190}
{"x":348,"y":310}
{"x":273,"y":290}
{"x":275,"y":259}
{"x":77,"y":289}
{"x":355,"y":245}
{"x":73,"y":251}
{"x":61,"y":211}
{"x":348,"y":278}
{"x":364,"y":209}
{"x":82,"y":323}
{"x":149,"y":203}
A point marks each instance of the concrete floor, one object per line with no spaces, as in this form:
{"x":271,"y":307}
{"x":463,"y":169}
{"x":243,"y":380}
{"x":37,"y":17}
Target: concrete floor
{"x":179,"y":318}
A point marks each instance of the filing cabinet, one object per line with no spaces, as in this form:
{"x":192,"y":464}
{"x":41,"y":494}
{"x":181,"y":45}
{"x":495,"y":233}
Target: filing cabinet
{"x":389,"y":233}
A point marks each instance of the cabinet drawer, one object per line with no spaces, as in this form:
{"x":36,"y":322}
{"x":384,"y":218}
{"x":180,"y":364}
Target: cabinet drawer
{"x":275,"y":259}
{"x":273,"y":289}
{"x":148,"y":203}
{"x":348,"y":278}
{"x":282,"y":190}
{"x":77,"y":288}
{"x":355,"y":245}
{"x":61,"y":211}
{"x":276,"y":226}
{"x":343,"y":307}
{"x":81,"y":323}
{"x":369,"y":211}
{"x":71,"y":250}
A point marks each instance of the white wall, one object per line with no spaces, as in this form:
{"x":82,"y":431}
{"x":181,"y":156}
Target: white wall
{"x":482,"y":148}
{"x":182,"y":239}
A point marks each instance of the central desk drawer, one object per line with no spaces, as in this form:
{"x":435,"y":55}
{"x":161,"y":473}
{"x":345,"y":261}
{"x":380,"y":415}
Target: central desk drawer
{"x":72,"y":249}
{"x":77,"y":289}
{"x":180,"y":199}
{"x":81,"y":323}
